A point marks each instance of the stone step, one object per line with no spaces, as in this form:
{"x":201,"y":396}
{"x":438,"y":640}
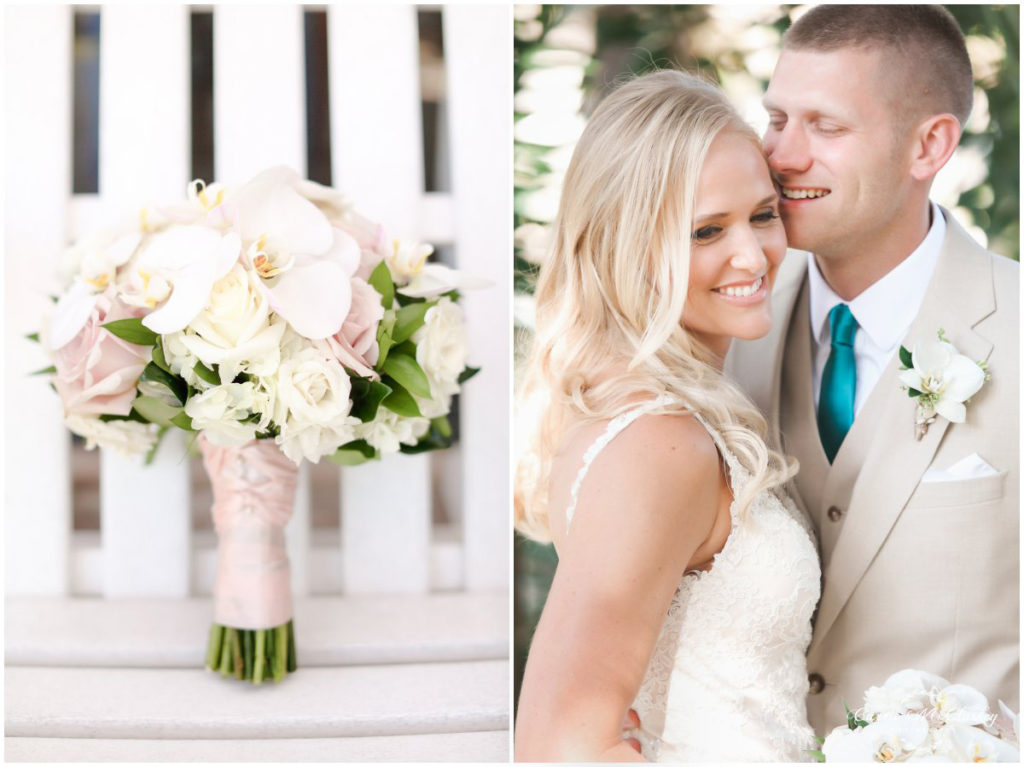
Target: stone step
{"x":313,"y":702}
{"x":329,"y":631}
{"x":487,"y":746}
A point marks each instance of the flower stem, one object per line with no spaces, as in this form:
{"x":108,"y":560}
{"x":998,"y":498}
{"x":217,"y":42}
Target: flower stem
{"x":280,"y":652}
{"x":225,"y":653}
{"x":236,"y":651}
{"x":213,"y":646}
{"x":247,"y":660}
{"x":257,"y":669}
{"x":292,"y":660}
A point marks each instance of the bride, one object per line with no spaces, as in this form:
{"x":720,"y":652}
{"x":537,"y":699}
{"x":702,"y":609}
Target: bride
{"x":686,"y":578}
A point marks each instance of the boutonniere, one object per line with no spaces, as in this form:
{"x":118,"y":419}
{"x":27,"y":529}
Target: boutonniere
{"x":941,"y":380}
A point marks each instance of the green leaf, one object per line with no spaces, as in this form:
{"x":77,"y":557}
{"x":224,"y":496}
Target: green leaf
{"x":354,"y":453}
{"x":152,"y":372}
{"x":365,"y":406}
{"x":913,"y":392}
{"x":400,"y":401}
{"x":182,"y":421}
{"x":905,"y":358}
{"x":467,"y":373}
{"x":33,"y":337}
{"x":432,"y":440}
{"x":44,"y":371}
{"x":384,"y":340}
{"x":133,"y":331}
{"x":156,"y":411}
{"x":408,"y":320}
{"x":404,"y":369}
{"x":151,"y":454}
{"x":852,"y":721}
{"x":441,"y":424}
{"x":818,"y":756}
{"x":207,"y":374}
{"x":380,"y":280}
{"x":819,"y":740}
{"x":159,"y":358}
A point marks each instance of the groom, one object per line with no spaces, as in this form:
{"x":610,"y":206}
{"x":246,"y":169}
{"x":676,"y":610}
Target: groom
{"x":918,"y":537}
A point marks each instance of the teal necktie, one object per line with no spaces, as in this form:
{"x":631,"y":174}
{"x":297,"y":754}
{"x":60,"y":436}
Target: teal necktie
{"x":838,"y":382}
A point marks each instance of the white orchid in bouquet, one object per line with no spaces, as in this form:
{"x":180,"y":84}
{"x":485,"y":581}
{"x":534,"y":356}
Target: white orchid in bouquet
{"x":272,"y":311}
{"x":920,"y":717}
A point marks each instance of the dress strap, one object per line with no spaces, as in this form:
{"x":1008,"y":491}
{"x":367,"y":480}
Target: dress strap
{"x":614,"y":427}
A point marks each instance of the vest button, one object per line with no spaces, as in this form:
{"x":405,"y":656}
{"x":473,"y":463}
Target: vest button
{"x":816,"y":682}
{"x":834,"y":513}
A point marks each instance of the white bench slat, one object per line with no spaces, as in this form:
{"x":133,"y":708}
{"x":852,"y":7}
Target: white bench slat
{"x":37,"y":185}
{"x":376,"y":153}
{"x":298,"y":533}
{"x":325,"y":559}
{"x":145,"y":522}
{"x":385,"y":525}
{"x":144,"y":159}
{"x":479,"y":67}
{"x":402,"y":699}
{"x":330,"y":631}
{"x":259,"y":102}
{"x":487,"y":746}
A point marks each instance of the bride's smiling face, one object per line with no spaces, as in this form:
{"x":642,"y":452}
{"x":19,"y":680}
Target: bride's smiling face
{"x":736,"y":246}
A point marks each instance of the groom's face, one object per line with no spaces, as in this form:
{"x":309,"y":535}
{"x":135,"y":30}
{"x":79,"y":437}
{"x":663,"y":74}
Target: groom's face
{"x":833,"y":146}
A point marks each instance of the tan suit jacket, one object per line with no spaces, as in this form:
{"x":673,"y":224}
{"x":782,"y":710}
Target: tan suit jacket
{"x":915,"y":575}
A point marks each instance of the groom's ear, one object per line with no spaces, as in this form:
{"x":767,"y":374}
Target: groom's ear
{"x":933,"y":144}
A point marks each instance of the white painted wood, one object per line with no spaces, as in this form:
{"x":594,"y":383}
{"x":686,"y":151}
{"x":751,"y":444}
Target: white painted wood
{"x":145,"y":522}
{"x":298,"y":533}
{"x":492,"y":746}
{"x":377,"y":156}
{"x":144,"y":160}
{"x":37,"y":185}
{"x":325,"y":562}
{"x":259,"y":90}
{"x":144,"y":105}
{"x":376,"y":123}
{"x":330,"y":631}
{"x":385,"y":525}
{"x":402,"y":699}
{"x":478,"y":42}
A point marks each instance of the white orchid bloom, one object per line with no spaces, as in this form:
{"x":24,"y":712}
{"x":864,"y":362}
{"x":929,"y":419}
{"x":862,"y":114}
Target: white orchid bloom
{"x":414,"y":277}
{"x":305,"y":263}
{"x":1008,"y":724}
{"x":945,"y":378}
{"x":96,"y":260}
{"x":889,"y":739}
{"x":961,"y":704}
{"x":175,"y":271}
{"x":972,"y":744}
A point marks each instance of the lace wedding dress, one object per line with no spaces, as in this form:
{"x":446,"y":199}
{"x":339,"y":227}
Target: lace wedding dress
{"x":728,"y":677}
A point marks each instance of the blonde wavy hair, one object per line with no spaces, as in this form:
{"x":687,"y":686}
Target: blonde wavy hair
{"x":611,"y":293}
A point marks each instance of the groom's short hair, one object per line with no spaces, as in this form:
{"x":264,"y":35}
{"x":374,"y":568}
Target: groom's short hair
{"x":928,"y":56}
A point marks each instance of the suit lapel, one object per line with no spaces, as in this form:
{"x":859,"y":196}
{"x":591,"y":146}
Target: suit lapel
{"x":882,"y":443}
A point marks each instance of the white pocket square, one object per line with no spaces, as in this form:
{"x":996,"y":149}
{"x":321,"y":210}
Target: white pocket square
{"x":971,"y":467}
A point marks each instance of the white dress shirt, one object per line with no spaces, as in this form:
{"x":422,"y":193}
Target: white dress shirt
{"x":884,"y":312}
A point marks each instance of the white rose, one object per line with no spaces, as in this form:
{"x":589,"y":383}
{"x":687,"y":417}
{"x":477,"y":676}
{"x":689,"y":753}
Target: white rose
{"x":311,"y":403}
{"x":442,"y":346}
{"x":219,"y":413}
{"x":129,"y":438}
{"x":313,"y":441}
{"x":235,"y":331}
{"x":389,"y":431}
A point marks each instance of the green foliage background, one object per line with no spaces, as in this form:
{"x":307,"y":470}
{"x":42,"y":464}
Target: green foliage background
{"x":603,"y":43}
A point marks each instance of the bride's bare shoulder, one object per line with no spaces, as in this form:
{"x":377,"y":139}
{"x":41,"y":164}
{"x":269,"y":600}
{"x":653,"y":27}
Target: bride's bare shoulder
{"x":654,"y":462}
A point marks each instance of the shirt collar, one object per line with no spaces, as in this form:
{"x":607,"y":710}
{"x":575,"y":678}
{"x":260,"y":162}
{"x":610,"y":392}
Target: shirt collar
{"x":887,"y":308}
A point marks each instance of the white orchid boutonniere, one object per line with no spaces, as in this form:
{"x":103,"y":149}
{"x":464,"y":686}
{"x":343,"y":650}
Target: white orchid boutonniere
{"x":941,"y":380}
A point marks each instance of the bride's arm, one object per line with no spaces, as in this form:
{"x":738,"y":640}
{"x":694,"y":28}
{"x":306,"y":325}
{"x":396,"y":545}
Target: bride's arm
{"x":647,"y":504}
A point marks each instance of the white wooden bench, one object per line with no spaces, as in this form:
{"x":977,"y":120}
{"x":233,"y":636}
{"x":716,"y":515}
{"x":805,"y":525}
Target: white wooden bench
{"x":402,"y":623}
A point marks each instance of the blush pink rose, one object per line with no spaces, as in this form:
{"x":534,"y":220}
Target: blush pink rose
{"x":355,"y":344}
{"x":373,"y":243}
{"x":97,"y":372}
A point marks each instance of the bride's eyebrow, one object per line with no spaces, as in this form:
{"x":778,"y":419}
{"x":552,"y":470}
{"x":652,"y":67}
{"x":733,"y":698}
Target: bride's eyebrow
{"x":703,"y":217}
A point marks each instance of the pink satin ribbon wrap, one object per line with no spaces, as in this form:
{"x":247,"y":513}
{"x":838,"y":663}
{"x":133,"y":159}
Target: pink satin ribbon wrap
{"x":253,"y":495}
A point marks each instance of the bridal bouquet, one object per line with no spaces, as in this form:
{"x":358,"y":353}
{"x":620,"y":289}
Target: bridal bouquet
{"x":276,"y":324}
{"x":917,"y":717}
